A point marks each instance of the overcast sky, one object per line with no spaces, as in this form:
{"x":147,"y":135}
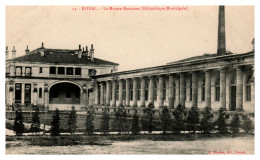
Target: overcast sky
{"x":134,"y":39}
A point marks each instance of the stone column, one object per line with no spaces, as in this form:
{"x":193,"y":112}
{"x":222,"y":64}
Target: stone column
{"x":96,"y":93}
{"x":182,"y":90}
{"x":114,"y":93}
{"x":35,"y":97}
{"x":46,"y":99}
{"x":208,"y":88}
{"x":135,"y":92}
{"x":108,"y":87}
{"x":120,"y":94}
{"x":239,"y":90}
{"x":23,"y":90}
{"x":102,"y":93}
{"x":143,"y":92}
{"x":11,"y":94}
{"x":223,"y":88}
{"x":151,"y":88}
{"x":161,"y":91}
{"x":177,"y":93}
{"x":127,"y":94}
{"x":170,"y":99}
{"x":194,"y":90}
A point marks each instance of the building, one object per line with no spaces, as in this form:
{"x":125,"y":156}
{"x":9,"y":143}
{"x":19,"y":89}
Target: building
{"x":64,"y":79}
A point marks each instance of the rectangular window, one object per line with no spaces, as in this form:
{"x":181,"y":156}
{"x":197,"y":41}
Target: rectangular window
{"x":248,"y":93}
{"x":61,"y":70}
{"x":78,"y":71}
{"x":69,"y":71}
{"x":18,"y":93}
{"x":52,"y":70}
{"x":40,"y":92}
{"x":18,"y":71}
{"x":40,"y":70}
{"x":217,"y":93}
{"x":27,"y":94}
{"x":28,"y":71}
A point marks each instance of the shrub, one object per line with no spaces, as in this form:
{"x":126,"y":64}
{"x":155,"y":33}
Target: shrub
{"x":247,"y":126}
{"x":104,"y":126}
{"x":120,"y":123}
{"x":221,"y":122}
{"x":147,"y":118}
{"x":72,"y":121}
{"x":235,"y":124}
{"x":165,"y":120}
{"x":89,"y":123}
{"x":178,"y":121}
{"x":205,"y":124}
{"x":18,"y":123}
{"x":192,"y":119}
{"x":135,"y":124}
{"x":35,"y":126}
{"x":55,"y":124}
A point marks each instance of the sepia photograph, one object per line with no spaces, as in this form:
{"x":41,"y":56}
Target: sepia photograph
{"x":130,"y":80}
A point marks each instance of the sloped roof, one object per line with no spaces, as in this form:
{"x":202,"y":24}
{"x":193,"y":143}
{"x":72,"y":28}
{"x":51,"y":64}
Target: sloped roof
{"x":60,"y":56}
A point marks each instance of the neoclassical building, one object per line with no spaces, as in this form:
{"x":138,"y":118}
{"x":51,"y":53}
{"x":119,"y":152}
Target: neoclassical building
{"x":58,"y":78}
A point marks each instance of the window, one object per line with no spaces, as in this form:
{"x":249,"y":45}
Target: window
{"x":124,"y":90}
{"x":40,"y":70}
{"x":155,"y":91}
{"x":40,"y":92}
{"x":18,"y":93}
{"x":146,"y":90}
{"x":69,"y":71}
{"x":111,"y":91}
{"x":131,"y":90}
{"x":138,"y":90}
{"x":28,"y":71}
{"x":164,"y":90}
{"x":105,"y":93}
{"x":61,"y":70}
{"x":78,"y":71}
{"x":248,"y":89}
{"x":190,"y":89}
{"x":68,"y":93}
{"x":99,"y":92}
{"x":18,"y":71}
{"x":117,"y":90}
{"x":217,"y":90}
{"x":174,"y":91}
{"x":27,"y":94}
{"x":52,"y":70}
{"x":203,"y":90}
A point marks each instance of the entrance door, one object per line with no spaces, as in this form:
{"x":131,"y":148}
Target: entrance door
{"x":233,"y":98}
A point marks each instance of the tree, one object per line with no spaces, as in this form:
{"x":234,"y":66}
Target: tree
{"x":221,"y":122}
{"x":55,"y":124}
{"x":120,"y":120}
{"x":178,"y":121}
{"x":165,"y":120}
{"x":135,"y":124}
{"x":235,"y":124}
{"x":247,"y":126}
{"x":89,"y":123}
{"x":192,"y":119}
{"x":104,"y":126}
{"x":147,"y":118}
{"x":18,"y":123}
{"x":205,"y":124}
{"x":72,"y":121}
{"x":35,"y":126}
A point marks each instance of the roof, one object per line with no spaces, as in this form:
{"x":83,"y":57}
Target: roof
{"x":60,"y":56}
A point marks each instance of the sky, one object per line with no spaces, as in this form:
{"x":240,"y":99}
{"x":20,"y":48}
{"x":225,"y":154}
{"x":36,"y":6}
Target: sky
{"x":134,"y":39}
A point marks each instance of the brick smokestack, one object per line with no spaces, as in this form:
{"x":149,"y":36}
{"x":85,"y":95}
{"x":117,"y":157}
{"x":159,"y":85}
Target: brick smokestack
{"x":6,"y":53}
{"x":91,"y":53}
{"x":27,"y":50}
{"x":221,"y":31}
{"x":13,"y":53}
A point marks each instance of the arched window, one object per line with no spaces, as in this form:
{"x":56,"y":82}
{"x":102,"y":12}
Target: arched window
{"x":164,"y":90}
{"x":131,"y":90}
{"x":155,"y":91}
{"x":248,"y":88}
{"x":203,"y":90}
{"x":40,"y":92}
{"x":217,"y":91}
{"x":138,"y":90}
{"x":146,"y":90}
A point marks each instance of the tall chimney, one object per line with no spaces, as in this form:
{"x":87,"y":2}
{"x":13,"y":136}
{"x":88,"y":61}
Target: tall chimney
{"x":41,"y":50}
{"x":80,"y":52}
{"x":27,"y":50}
{"x":221,"y":31}
{"x":91,"y":53}
{"x":87,"y":51}
{"x":6,"y":53}
{"x":13,"y":53}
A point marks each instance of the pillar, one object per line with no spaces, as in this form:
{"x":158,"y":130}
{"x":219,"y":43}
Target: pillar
{"x":182,"y":90}
{"x":208,"y":88}
{"x":160,"y":91}
{"x":102,"y":93}
{"x":151,"y":88}
{"x":46,"y":99}
{"x":170,"y":99}
{"x":35,"y":97}
{"x":113,"y":93}
{"x":223,"y":88}
{"x":143,"y":92}
{"x":177,"y":93}
{"x":11,"y":94}
{"x":135,"y":92}
{"x":194,"y":90}
{"x":23,"y":90}
{"x":108,"y":91}
{"x":120,"y":94}
{"x":96,"y":93}
{"x":127,"y":94}
{"x":239,"y":90}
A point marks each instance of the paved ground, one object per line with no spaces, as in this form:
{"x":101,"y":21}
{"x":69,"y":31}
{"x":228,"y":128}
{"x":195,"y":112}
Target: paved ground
{"x":237,"y":145}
